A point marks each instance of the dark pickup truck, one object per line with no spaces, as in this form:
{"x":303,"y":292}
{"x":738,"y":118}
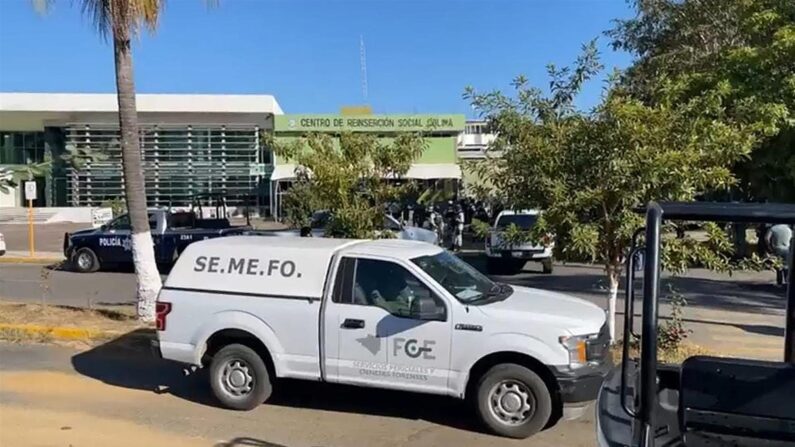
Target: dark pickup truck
{"x":92,"y":249}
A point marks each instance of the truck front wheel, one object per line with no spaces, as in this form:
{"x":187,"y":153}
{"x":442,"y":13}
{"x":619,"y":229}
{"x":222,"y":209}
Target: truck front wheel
{"x":85,"y":261}
{"x":513,"y":401}
{"x":239,"y":378}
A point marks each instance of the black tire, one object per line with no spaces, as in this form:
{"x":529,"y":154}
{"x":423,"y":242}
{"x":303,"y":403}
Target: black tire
{"x":521,"y":381}
{"x":222,"y":384}
{"x":516,"y":266}
{"x":85,"y":261}
{"x":547,"y":266}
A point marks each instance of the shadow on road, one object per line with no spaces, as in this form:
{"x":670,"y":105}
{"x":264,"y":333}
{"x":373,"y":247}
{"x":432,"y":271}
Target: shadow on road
{"x":128,"y":362}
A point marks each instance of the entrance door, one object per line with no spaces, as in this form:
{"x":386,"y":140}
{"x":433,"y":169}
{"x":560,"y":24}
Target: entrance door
{"x":355,"y":351}
{"x":394,"y":348}
{"x":114,"y":244}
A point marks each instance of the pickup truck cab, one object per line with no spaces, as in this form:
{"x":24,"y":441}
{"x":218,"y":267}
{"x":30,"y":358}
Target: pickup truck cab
{"x":396,"y":314}
{"x":503,"y":257}
{"x":92,"y":249}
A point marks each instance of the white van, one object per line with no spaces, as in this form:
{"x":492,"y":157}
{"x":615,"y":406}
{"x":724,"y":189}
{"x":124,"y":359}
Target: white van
{"x":394,"y":314}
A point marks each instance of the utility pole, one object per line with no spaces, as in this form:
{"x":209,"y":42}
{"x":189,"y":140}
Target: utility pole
{"x":363,"y":63}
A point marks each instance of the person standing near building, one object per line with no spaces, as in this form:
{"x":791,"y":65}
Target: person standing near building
{"x":778,"y":240}
{"x":458,"y":239}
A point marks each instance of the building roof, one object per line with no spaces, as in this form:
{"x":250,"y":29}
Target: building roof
{"x":34,"y":111}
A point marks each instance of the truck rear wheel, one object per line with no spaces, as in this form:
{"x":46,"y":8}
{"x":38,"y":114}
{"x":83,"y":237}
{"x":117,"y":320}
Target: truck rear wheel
{"x":239,"y":378}
{"x":85,"y":261}
{"x":513,"y":401}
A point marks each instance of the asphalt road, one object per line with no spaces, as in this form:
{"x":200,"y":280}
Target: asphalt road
{"x":742,"y":314}
{"x":746,"y":292}
{"x":116,"y":395}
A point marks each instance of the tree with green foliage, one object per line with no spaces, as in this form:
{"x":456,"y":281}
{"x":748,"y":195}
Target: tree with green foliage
{"x":741,"y":50}
{"x":589,"y":171}
{"x":122,"y":21}
{"x":354,"y":177}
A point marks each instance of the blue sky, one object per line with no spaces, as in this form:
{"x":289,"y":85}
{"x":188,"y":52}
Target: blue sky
{"x":420,"y":54}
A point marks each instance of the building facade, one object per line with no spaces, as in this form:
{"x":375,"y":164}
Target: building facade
{"x":190,"y":144}
{"x":475,"y":140}
{"x":437,"y":167}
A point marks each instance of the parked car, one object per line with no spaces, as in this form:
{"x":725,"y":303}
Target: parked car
{"x":92,"y":249}
{"x":2,"y":244}
{"x":388,"y":313}
{"x":320,"y":220}
{"x":507,"y":258}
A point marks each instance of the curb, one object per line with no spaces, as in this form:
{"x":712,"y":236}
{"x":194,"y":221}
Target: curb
{"x":53,"y":332}
{"x":29,"y":260}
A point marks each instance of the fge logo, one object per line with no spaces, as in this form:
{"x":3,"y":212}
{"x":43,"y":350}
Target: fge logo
{"x":413,"y":349}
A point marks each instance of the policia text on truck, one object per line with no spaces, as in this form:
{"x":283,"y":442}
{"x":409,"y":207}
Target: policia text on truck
{"x":394,"y":314}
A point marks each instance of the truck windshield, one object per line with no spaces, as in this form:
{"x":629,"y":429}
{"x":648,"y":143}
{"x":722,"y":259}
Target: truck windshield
{"x":523,"y":221}
{"x":461,"y":279}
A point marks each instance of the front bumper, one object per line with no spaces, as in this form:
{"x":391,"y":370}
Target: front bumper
{"x":581,"y":385}
{"x":519,"y":254}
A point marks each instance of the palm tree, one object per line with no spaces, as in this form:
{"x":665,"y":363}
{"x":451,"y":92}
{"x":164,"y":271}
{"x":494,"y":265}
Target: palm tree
{"x":122,"y":20}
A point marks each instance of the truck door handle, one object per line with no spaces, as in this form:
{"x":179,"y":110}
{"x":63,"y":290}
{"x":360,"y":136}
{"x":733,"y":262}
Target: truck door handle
{"x":350,"y":323}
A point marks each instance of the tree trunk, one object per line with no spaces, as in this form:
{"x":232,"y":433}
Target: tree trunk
{"x":613,"y":277}
{"x":147,"y":275}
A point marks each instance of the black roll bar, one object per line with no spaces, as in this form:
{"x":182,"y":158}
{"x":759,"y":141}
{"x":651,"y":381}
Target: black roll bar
{"x":629,"y":320}
{"x":789,"y":325}
{"x":643,"y":432}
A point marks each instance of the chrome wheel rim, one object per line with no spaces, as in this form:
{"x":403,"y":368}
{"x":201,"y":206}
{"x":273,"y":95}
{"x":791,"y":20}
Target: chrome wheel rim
{"x":236,"y":378}
{"x":84,"y":261}
{"x":511,"y":402}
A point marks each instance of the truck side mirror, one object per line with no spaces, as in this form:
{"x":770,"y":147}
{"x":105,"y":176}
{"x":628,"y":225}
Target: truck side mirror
{"x":426,"y":308}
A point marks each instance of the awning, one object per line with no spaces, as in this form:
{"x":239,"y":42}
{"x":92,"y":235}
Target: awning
{"x":283,"y":172}
{"x":423,"y":171}
{"x":432,"y":171}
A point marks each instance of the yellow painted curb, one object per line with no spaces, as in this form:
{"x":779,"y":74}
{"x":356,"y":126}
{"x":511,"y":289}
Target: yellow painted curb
{"x":28,"y":260}
{"x":61,"y":333}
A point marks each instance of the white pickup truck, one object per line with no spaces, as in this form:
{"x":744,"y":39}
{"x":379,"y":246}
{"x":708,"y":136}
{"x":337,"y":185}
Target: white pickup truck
{"x":506,"y":258}
{"x":397,"y":314}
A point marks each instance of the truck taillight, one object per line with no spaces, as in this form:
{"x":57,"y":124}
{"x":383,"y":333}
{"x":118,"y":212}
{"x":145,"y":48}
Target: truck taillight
{"x":162,"y":309}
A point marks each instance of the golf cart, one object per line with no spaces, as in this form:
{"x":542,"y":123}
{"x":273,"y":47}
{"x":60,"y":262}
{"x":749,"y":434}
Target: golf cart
{"x":707,"y":401}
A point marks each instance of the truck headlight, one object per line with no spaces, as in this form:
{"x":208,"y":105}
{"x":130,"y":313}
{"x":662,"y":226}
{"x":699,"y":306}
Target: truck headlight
{"x":577,"y":345}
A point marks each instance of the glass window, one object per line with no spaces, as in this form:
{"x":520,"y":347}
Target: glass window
{"x":391,"y":224}
{"x":459,"y":278}
{"x":343,"y":287}
{"x":523,"y":221}
{"x":120,"y":223}
{"x":390,"y":287}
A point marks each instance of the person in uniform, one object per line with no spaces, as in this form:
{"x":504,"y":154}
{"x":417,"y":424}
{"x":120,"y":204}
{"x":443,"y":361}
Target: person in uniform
{"x":458,"y":239}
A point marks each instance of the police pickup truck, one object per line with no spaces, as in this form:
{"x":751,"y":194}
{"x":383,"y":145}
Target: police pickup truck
{"x":92,"y":249}
{"x":389,"y":313}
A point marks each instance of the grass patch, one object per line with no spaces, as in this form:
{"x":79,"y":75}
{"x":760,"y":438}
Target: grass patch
{"x":21,"y":322}
{"x":18,"y":335}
